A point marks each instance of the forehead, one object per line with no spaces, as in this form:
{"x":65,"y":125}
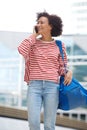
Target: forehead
{"x":43,"y":18}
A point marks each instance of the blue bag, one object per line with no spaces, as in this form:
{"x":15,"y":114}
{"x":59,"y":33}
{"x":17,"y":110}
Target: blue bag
{"x":72,"y":96}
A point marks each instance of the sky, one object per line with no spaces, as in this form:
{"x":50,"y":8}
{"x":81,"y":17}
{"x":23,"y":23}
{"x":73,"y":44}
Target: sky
{"x":20,"y":15}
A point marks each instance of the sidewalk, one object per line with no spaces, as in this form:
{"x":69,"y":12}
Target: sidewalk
{"x":15,"y":124}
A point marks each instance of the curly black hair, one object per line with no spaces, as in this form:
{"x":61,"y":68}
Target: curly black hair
{"x":54,"y":20}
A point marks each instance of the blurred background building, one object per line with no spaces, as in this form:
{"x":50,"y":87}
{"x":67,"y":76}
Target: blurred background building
{"x":13,"y":90}
{"x":79,"y":15}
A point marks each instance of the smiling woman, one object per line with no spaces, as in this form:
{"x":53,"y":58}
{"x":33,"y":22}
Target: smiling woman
{"x":43,"y":67}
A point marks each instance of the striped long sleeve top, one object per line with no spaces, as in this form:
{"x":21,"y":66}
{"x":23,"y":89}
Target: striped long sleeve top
{"x":42,"y":59}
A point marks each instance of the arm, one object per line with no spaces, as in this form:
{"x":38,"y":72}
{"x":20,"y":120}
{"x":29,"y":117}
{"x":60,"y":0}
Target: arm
{"x":62,"y":62}
{"x":26,"y":44}
{"x":68,"y":74}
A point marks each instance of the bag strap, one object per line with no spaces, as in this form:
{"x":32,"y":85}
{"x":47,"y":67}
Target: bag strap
{"x":59,"y":44}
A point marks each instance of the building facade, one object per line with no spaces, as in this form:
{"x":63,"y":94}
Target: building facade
{"x":79,"y":16}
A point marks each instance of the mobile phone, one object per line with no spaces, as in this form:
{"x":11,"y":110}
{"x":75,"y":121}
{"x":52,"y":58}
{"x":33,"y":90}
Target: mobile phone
{"x":36,"y":29}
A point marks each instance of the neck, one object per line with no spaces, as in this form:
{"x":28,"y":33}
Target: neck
{"x":46,"y":38}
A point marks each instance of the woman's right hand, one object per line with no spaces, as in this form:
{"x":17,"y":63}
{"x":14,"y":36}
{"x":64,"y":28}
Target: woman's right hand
{"x":35,"y":31}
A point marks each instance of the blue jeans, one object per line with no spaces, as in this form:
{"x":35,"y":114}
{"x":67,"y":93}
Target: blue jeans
{"x":41,"y":92}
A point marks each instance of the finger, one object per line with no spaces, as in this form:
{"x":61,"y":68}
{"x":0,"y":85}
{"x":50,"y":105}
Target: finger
{"x":67,"y":82}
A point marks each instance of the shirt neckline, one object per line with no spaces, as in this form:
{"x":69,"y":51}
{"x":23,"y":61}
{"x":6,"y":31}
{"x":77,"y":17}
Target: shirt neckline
{"x":47,"y":41}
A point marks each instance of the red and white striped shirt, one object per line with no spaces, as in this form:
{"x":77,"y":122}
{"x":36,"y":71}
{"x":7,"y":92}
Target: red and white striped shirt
{"x":42,"y":59}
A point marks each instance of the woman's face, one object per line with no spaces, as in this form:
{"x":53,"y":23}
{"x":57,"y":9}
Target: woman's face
{"x":43,"y":26}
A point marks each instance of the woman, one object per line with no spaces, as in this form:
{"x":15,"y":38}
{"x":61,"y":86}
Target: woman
{"x":43,"y":67}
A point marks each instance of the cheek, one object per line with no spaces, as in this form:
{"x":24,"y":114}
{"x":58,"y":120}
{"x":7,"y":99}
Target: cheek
{"x":47,"y":29}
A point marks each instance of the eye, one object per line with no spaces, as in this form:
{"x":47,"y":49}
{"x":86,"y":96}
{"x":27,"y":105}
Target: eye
{"x":42,"y":22}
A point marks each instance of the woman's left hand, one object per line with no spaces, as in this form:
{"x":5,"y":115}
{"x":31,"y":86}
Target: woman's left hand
{"x":68,"y":77}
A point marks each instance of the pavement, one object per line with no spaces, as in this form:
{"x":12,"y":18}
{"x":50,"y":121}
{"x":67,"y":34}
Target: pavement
{"x":16,"y":124}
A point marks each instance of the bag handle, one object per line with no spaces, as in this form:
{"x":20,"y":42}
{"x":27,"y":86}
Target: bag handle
{"x":59,"y":44}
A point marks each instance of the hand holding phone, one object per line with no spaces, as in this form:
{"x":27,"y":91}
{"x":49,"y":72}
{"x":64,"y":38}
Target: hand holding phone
{"x":36,"y":29}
